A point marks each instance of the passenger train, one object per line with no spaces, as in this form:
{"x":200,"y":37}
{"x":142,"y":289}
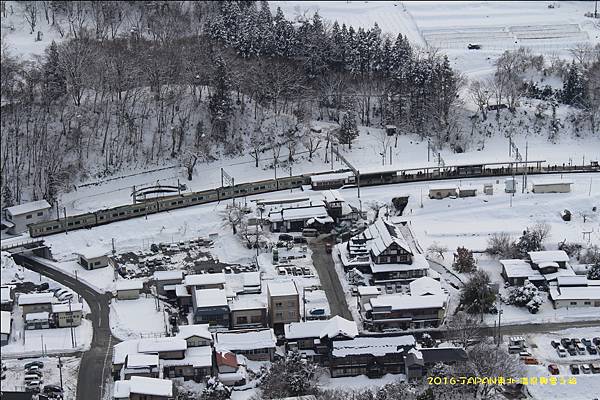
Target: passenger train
{"x":333,"y":179}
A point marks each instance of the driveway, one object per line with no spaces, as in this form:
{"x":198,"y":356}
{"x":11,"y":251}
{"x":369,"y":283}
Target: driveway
{"x":330,"y":281}
{"x":95,"y":366}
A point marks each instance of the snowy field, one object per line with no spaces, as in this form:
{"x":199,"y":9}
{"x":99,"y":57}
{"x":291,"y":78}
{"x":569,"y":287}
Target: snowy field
{"x":70,"y":369}
{"x":134,"y":319}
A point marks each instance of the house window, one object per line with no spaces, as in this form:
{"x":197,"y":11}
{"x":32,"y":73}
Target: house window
{"x":291,"y":303}
{"x":256,"y":319}
{"x":291,"y":314}
{"x":278,"y":305}
{"x":242,"y":320}
{"x":40,"y":213}
{"x":28,"y":216}
{"x":278,"y":315}
{"x":573,"y":303}
{"x":587,"y":303}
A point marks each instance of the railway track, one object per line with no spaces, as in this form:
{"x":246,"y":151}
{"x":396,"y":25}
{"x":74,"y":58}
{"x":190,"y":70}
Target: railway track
{"x":152,"y":206}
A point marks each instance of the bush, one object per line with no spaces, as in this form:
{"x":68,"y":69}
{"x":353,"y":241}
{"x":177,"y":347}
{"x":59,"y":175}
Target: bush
{"x":500,"y":245}
{"x":532,"y":239}
{"x":525,"y":296}
{"x":463,"y":260}
{"x":590,"y":256}
{"x":594,"y":272}
{"x":572,"y":249}
{"x":289,"y":377}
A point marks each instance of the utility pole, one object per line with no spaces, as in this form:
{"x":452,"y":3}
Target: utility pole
{"x":358,"y":183}
{"x":524,"y":183}
{"x":428,"y":149}
{"x":65,"y":221}
{"x":133,"y":194}
{"x":60,"y":372}
{"x":71,"y":324}
{"x":390,"y":155}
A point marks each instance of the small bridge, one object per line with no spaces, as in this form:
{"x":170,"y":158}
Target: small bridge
{"x":35,"y":246}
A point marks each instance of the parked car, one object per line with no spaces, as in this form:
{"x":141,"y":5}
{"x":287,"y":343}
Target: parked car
{"x":65,"y":296}
{"x":592,"y":350}
{"x":580,"y":349}
{"x":471,"y":46}
{"x":586,"y":341}
{"x":531,"y":361}
{"x":574,"y":369}
{"x":596,"y":341}
{"x":52,"y":389}
{"x":566,"y":342}
{"x":562,"y":353}
{"x":33,"y":386}
{"x":37,"y":372}
{"x":328,"y":248}
{"x":32,"y":377}
{"x":572,"y":351}
{"x":284,"y":237}
{"x":595,"y":368}
{"x":38,"y":364}
{"x":553,"y":368}
{"x":555,"y":343}
{"x":586,"y":368}
{"x":310,"y":232}
{"x":300,"y":240}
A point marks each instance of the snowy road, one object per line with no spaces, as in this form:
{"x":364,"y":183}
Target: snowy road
{"x":95,"y":364}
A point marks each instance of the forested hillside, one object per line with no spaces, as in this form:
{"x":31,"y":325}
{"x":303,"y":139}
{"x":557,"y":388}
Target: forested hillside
{"x":137,"y":84}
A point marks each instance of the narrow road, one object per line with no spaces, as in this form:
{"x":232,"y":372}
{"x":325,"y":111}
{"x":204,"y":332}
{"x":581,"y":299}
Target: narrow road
{"x":95,"y":365}
{"x":329,"y":279}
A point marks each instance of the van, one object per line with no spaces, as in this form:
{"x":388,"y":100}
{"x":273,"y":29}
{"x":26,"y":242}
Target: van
{"x":310,"y":232}
{"x":33,"y":386}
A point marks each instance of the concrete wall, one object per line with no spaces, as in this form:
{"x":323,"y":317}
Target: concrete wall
{"x":128,"y":294}
{"x":284,"y":309}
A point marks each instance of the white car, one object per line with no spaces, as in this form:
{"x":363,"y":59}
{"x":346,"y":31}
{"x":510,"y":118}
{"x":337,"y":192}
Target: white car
{"x":33,"y":386}
{"x":562,"y":353}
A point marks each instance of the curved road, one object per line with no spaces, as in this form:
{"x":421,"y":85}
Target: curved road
{"x":96,"y":363}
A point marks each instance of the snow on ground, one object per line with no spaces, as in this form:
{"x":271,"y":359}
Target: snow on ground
{"x":132,"y":319}
{"x":586,"y":386}
{"x":358,"y":382}
{"x":51,"y":374}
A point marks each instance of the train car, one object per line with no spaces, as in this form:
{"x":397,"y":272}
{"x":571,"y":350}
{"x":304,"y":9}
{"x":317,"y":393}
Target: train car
{"x":334,"y":180}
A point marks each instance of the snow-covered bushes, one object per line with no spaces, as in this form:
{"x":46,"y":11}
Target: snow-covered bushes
{"x":292,"y":376}
{"x":463,"y":260}
{"x":525,"y":296}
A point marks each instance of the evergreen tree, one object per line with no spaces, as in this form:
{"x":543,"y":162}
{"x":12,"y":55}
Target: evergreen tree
{"x":221,"y":104}
{"x":476,"y":296}
{"x":594,"y":271}
{"x":348,"y":128}
{"x":7,"y":196}
{"x":574,"y":87}
{"x":463,"y":260}
{"x":55,"y":82}
{"x":284,"y":41}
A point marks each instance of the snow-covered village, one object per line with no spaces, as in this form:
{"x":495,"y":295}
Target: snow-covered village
{"x":300,"y":200}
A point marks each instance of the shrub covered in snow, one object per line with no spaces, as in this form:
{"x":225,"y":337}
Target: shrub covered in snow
{"x":477,"y":296}
{"x":525,"y":296}
{"x":594,"y":271}
{"x":532,"y":239}
{"x":292,"y":376}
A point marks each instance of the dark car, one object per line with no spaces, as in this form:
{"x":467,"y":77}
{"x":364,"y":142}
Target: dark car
{"x":43,"y":287}
{"x":566,"y":342}
{"x":52,"y":389}
{"x":38,"y":364}
{"x":299,"y":240}
{"x":574,"y":369}
{"x":591,"y":349}
{"x":555,"y":344}
{"x":553,"y":368}
{"x":572,"y":350}
{"x":473,"y":46}
{"x":285,"y":237}
{"x":596,"y":341}
{"x":586,"y":341}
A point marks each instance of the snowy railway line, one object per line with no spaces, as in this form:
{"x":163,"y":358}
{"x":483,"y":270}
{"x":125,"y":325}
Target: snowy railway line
{"x":152,"y":206}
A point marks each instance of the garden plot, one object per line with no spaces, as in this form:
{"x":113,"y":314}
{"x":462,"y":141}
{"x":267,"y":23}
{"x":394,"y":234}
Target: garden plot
{"x":132,"y":319}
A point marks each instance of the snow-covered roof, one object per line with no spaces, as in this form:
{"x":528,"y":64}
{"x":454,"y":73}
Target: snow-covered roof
{"x":368,"y":290}
{"x":299,"y":213}
{"x":210,"y":298}
{"x":418,"y":262}
{"x":35,"y":298}
{"x":121,"y":390}
{"x":155,"y":345}
{"x":129,"y":284}
{"x":137,"y":360}
{"x":151,"y":386}
{"x":425,"y":286}
{"x":331,"y":177}
{"x":381,"y":235}
{"x":93,"y":251}
{"x":44,"y":315}
{"x":548,"y":256}
{"x":251,"y":279}
{"x":27,"y":208}
{"x":279,"y":288}
{"x":248,"y":302}
{"x":167,"y":275}
{"x":332,"y":195}
{"x":572,"y":280}
{"x":575,"y":293}
{"x":404,"y":302}
{"x":331,"y":328}
{"x":64,"y":307}
{"x":376,"y":346}
{"x":519,"y":269}
{"x":442,"y":187}
{"x":550,"y":182}
{"x":5,"y":295}
{"x":200,"y":330}
{"x":245,"y":340}
{"x":204,"y":279}
{"x":5,"y":321}
{"x":197,"y":357}
{"x":122,"y":349}
{"x":181,"y":291}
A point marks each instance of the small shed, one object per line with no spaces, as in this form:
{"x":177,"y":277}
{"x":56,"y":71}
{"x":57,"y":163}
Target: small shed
{"x":510,"y":185}
{"x":93,"y":257}
{"x":488,"y":189}
{"x":129,"y":289}
{"x":441,"y":192}
{"x":551,"y":187}
{"x":391,"y":130}
{"x":467,"y":192}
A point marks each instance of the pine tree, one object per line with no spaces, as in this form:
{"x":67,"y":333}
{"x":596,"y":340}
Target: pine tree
{"x":55,"y":82}
{"x":7,"y":196}
{"x":221,"y":104}
{"x":348,"y":128}
{"x":463,"y":260}
{"x":573,"y":88}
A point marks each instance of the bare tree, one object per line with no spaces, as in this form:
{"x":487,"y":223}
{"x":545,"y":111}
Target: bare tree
{"x":30,"y":13}
{"x":189,"y":162}
{"x":487,"y":360}
{"x":464,"y":329}
{"x":437,"y":250}
{"x":312,"y":141}
{"x":233,"y":216}
{"x":481,"y":92}
{"x":384,"y":141}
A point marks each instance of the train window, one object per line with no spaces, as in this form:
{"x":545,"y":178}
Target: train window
{"x":122,"y":213}
{"x":70,"y":224}
{"x":115,"y":215}
{"x":55,"y":227}
{"x":101,"y":217}
{"x":194,"y":199}
{"x":77,"y":222}
{"x":262,"y":187}
{"x":136,"y":211}
{"x":173,"y":203}
{"x":48,"y":228}
{"x":180,"y":202}
{"x":201,"y":198}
